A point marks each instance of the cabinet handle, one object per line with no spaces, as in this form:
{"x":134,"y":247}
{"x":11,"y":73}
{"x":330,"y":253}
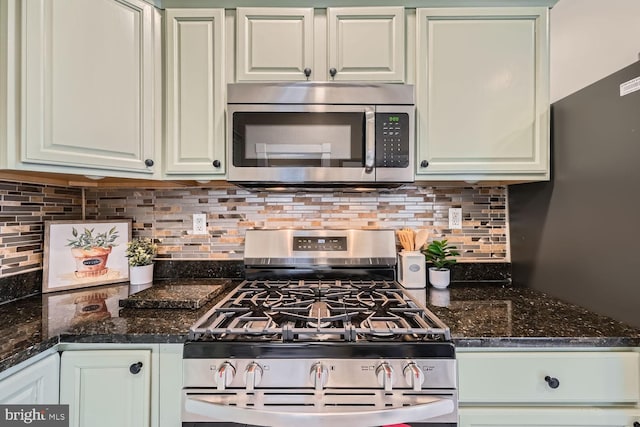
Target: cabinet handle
{"x":216,"y":163}
{"x":424,"y":163}
{"x":135,"y":368}
{"x":553,"y":382}
{"x":148,"y":162}
{"x":333,"y":72}
{"x":307,"y":72}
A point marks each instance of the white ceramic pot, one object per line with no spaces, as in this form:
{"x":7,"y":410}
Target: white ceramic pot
{"x":141,"y":274}
{"x":439,"y":278}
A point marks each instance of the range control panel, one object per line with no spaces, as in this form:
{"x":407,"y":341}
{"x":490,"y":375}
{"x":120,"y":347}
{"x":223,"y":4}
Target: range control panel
{"x":392,"y":140}
{"x":315,"y":243}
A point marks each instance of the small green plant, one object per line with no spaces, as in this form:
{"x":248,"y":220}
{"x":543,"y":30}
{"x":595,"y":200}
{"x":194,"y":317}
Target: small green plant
{"x":87,"y":240}
{"x":438,"y":253}
{"x":141,"y":251}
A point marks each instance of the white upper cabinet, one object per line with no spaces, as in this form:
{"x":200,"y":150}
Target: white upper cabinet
{"x":89,"y":86}
{"x":195,"y":93}
{"x":366,"y":43}
{"x":274,"y":43}
{"x":333,"y":44}
{"x":482,"y":84}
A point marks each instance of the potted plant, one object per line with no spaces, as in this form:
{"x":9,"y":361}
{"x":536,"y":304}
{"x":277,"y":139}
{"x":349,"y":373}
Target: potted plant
{"x":438,"y":253}
{"x":91,"y":251}
{"x":141,"y":252}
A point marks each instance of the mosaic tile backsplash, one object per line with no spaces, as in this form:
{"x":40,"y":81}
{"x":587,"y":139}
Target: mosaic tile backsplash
{"x":23,"y":210}
{"x":166,"y":216}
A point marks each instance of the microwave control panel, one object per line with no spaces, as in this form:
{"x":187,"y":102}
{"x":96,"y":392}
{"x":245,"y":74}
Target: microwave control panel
{"x":392,"y":140}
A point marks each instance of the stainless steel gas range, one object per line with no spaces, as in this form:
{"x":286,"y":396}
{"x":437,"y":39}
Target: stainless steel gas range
{"x":320,"y":334}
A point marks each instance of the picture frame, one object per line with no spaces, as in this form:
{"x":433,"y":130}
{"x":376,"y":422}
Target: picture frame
{"x":78,"y":254}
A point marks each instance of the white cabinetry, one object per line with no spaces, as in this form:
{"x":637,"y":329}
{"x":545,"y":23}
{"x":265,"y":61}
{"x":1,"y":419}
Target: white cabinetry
{"x":195,"y":88}
{"x":549,"y":388}
{"x":547,"y":417}
{"x":36,"y":384}
{"x":343,"y":44}
{"x":482,"y":84}
{"x":107,"y":387}
{"x":88,"y":87}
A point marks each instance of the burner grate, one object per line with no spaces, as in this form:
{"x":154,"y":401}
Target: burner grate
{"x":319,"y":310}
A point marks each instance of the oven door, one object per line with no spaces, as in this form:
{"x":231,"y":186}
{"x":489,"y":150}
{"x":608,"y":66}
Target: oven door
{"x":301,"y":143}
{"x":309,"y":408}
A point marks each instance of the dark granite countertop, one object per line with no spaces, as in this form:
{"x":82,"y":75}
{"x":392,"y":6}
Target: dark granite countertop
{"x":484,"y":315}
{"x":481,"y":315}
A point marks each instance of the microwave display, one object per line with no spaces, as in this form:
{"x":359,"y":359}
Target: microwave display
{"x":392,"y":140}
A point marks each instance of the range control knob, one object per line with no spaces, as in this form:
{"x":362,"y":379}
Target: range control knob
{"x":414,"y":376}
{"x":319,"y":375}
{"x":385,"y":376}
{"x":224,"y":375}
{"x":252,"y":375}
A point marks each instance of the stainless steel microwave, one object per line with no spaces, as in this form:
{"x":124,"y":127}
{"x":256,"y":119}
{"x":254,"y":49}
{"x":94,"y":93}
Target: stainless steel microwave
{"x":316,"y":133}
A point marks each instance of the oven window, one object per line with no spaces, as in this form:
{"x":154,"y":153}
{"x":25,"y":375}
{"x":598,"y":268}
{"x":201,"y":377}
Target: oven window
{"x":298,"y":139}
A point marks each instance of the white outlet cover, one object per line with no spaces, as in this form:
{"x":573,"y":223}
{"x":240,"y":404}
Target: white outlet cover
{"x":199,"y":224}
{"x":455,"y":218}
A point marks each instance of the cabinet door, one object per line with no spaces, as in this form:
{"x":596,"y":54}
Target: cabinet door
{"x":195,"y":143}
{"x":547,"y":417}
{"x":102,"y":387}
{"x":88,"y":84}
{"x":482,"y":93}
{"x":36,"y":384}
{"x":274,"y":43}
{"x":366,"y":43}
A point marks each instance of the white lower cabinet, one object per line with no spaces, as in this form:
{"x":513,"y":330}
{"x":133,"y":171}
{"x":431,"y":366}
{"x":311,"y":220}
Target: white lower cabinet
{"x":550,"y":388}
{"x":547,"y":417}
{"x":107,"y":387}
{"x":37,"y":383}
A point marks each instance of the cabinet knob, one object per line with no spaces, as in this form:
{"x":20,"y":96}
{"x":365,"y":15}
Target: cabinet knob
{"x":307,"y":72}
{"x":553,"y":382}
{"x":148,"y":163}
{"x":424,"y":163}
{"x":333,"y":72}
{"x":217,"y":163}
{"x":135,"y":368}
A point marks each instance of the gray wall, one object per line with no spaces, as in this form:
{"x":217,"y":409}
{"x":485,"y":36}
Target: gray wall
{"x":578,"y":236}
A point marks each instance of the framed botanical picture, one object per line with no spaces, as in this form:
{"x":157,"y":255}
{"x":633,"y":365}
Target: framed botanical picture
{"x":84,"y":253}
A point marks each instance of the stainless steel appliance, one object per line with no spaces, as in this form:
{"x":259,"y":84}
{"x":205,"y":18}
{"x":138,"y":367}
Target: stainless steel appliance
{"x":291,"y":133}
{"x":320,"y":334}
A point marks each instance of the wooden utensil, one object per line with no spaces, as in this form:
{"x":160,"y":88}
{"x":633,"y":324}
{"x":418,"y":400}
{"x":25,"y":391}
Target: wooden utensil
{"x":406,"y":238}
{"x":421,"y":238}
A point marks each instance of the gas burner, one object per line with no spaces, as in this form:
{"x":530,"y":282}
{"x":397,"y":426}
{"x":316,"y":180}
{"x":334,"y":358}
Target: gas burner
{"x":319,"y":310}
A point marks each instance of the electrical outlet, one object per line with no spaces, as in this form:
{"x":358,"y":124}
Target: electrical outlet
{"x":199,"y":224}
{"x":455,"y":218}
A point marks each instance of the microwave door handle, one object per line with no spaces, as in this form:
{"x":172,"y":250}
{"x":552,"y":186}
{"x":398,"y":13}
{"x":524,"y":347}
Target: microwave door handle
{"x":202,"y":406}
{"x":370,"y":139}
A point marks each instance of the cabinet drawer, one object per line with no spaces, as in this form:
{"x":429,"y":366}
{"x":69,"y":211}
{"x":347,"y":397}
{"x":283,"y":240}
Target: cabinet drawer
{"x":589,"y":377}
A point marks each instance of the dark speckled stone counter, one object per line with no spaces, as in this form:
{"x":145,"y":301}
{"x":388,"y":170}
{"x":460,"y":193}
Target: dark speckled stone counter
{"x":484,"y":315}
{"x":183,"y":294}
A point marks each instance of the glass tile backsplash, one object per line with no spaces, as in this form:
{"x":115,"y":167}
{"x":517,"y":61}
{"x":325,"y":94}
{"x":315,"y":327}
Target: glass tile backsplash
{"x":167,"y":214}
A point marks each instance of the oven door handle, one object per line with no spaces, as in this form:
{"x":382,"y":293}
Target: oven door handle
{"x":323,"y":417}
